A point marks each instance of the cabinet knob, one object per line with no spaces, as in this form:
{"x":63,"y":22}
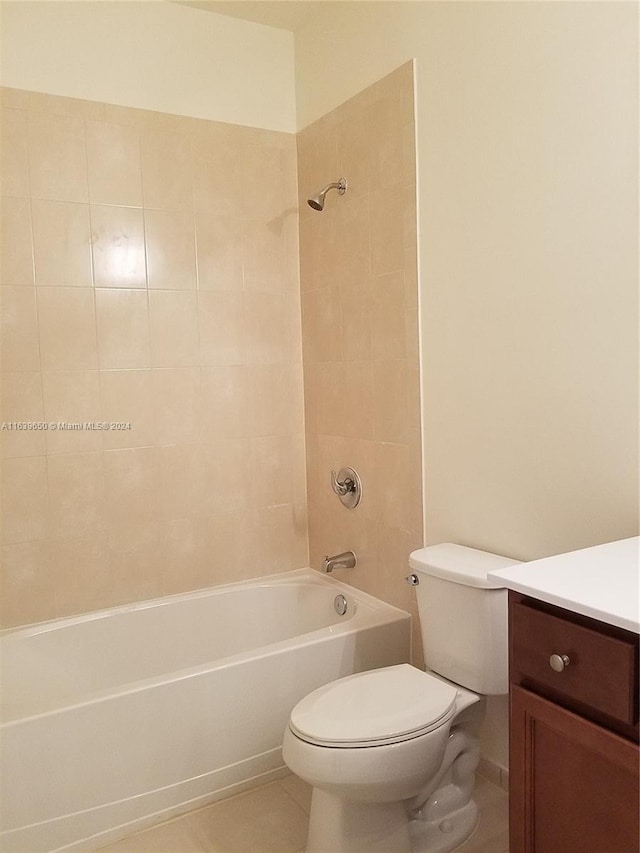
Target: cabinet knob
{"x":559,"y":662}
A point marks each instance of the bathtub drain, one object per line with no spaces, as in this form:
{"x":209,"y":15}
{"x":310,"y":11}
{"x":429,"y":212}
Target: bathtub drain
{"x":340,"y":604}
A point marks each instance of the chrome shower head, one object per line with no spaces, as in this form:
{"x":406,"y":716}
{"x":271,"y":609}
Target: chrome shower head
{"x":317,"y":201}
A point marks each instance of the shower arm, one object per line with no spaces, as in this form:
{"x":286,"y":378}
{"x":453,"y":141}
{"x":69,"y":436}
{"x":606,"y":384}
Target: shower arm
{"x":317,"y":201}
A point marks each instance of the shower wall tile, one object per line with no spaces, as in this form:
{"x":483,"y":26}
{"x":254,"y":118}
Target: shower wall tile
{"x":131,"y":493}
{"x":91,"y":553}
{"x":122,"y":318}
{"x":353,"y":146}
{"x":391,"y":414}
{"x":360,"y":335}
{"x":16,"y":266}
{"x":171,"y":254}
{"x":25,"y":511}
{"x":176,"y":400}
{"x":22,"y":401}
{"x":263,"y":255}
{"x":118,"y":245}
{"x":61,"y":243}
{"x":134,"y":562}
{"x":185,"y":560}
{"x":356,"y":316}
{"x":113,"y":163}
{"x":225,"y":534}
{"x":76,"y":495}
{"x":219,"y":251}
{"x":275,"y":393}
{"x":72,"y":397}
{"x":19,"y":327}
{"x":166,"y":170}
{"x":217,"y":175}
{"x":57,"y":157}
{"x":277,"y":547}
{"x":322,"y":320}
{"x":223,"y":328}
{"x":149,"y":277}
{"x":127,"y":116}
{"x":225,"y":477}
{"x":14,"y":166}
{"x":225,"y":402}
{"x":263,"y":182}
{"x":388,"y":316}
{"x":272,"y":471}
{"x":173,"y":323}
{"x":28,"y":589}
{"x":127,"y":406}
{"x":179,"y":469}
{"x":387,"y":230}
{"x":272,"y":322}
{"x":67,"y":323}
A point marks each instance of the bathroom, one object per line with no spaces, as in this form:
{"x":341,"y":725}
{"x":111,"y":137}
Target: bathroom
{"x":460,"y":327}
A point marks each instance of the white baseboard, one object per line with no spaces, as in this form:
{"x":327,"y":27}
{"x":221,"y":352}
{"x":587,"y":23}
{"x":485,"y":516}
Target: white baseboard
{"x":494,"y":773}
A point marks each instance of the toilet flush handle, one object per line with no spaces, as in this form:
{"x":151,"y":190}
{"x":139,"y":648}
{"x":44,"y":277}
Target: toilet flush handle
{"x":412,"y":579}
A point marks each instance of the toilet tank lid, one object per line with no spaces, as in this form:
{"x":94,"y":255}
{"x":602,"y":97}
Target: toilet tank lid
{"x":459,"y":564}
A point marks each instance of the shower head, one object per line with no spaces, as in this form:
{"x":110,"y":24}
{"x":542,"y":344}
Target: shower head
{"x":317,"y":201}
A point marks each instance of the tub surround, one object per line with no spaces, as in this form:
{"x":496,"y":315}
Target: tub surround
{"x":150,"y":277}
{"x":190,"y":331}
{"x":359,"y":294}
{"x":600,"y":582}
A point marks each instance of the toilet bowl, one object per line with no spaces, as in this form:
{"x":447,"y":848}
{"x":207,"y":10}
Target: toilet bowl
{"x":391,"y":753}
{"x":378,"y":747}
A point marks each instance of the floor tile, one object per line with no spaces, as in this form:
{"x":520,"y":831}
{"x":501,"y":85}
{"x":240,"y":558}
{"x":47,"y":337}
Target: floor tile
{"x":492,"y":832}
{"x":173,"y":837}
{"x":299,"y":790}
{"x":266,"y":820}
{"x":274,"y":819}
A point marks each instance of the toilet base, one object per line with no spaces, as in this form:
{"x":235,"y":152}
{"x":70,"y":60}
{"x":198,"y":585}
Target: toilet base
{"x":441,"y":836}
{"x":437,"y":820}
{"x":336,"y":824}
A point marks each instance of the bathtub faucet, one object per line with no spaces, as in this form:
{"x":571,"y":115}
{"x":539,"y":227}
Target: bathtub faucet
{"x":346,"y":560}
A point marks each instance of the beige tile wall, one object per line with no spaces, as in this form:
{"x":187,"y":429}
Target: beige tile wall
{"x":360,"y":335}
{"x":150,"y":276}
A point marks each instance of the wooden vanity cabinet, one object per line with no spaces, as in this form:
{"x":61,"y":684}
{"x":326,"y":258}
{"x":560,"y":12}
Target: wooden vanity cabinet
{"x":573,"y":732}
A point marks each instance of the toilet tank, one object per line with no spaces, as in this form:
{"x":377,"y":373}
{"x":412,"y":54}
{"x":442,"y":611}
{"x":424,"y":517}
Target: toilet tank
{"x":463,"y":615}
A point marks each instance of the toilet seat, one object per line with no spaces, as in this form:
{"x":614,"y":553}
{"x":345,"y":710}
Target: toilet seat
{"x":374,"y":708}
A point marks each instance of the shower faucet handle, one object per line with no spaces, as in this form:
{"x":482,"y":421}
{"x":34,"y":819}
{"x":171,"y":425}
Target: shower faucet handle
{"x":341,"y":487}
{"x":347,"y":486}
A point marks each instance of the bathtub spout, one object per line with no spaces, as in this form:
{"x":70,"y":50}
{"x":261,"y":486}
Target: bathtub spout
{"x":346,"y":560}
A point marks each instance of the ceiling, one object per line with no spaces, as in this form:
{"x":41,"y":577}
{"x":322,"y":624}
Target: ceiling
{"x":285,"y":14}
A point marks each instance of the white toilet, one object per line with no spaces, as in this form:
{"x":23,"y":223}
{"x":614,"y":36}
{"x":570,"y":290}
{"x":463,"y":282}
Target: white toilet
{"x":391,"y":753}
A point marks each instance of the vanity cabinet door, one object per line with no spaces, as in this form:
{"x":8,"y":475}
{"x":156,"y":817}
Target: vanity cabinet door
{"x":574,"y":785}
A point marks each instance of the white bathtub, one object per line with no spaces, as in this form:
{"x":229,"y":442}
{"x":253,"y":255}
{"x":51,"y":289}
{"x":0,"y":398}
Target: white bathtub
{"x":115,"y":720}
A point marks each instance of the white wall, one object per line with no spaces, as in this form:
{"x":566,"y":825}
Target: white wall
{"x":152,"y":55}
{"x":527,"y":157}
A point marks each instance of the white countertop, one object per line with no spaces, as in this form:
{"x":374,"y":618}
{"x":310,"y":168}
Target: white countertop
{"x":601,"y":582}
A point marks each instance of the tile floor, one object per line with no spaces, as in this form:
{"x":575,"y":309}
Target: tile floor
{"x":273,"y":819}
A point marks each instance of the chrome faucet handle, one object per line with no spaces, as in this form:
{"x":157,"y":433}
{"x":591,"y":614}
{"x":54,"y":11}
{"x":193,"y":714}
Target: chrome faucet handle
{"x":346,"y":484}
{"x":342,"y":487}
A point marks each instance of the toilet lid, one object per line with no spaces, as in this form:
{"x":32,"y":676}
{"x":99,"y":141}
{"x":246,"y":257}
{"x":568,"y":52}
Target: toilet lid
{"x":374,"y":708}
